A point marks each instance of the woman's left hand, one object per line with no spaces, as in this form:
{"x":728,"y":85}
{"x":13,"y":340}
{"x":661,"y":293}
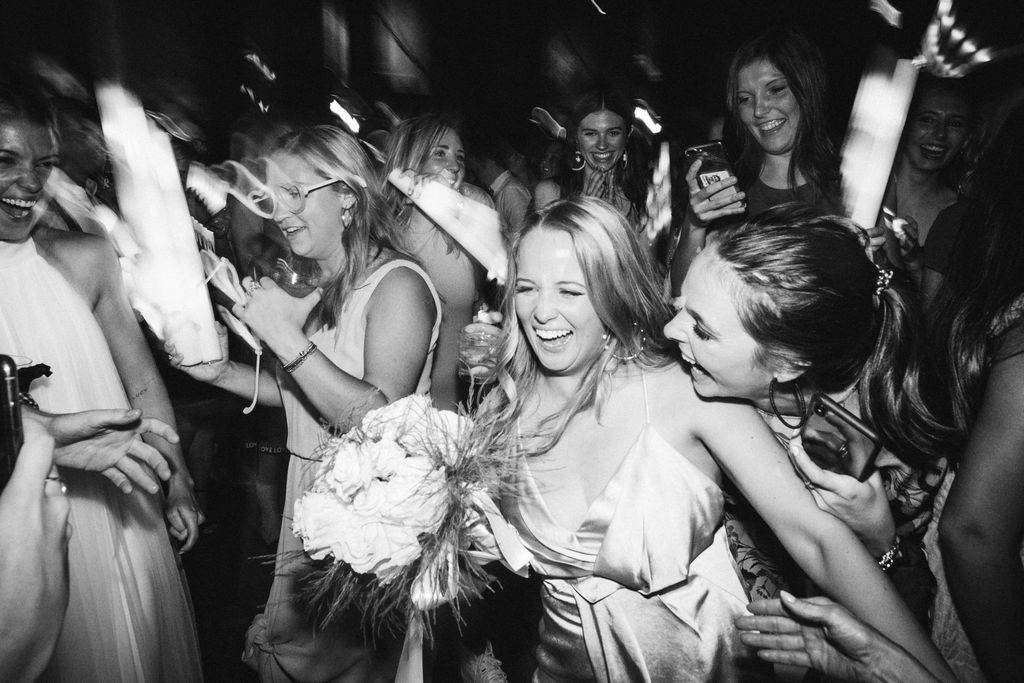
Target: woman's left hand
{"x":274,"y":315}
{"x":861,"y":505}
{"x":182,"y":511}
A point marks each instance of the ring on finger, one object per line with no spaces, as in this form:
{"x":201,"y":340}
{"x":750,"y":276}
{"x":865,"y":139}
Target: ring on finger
{"x":58,"y":478}
{"x":254,"y":285}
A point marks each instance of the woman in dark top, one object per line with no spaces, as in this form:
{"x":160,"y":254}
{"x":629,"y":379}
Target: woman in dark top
{"x":776,"y":94}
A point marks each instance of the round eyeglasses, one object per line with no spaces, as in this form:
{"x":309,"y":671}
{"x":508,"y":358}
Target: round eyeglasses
{"x":293,"y":198}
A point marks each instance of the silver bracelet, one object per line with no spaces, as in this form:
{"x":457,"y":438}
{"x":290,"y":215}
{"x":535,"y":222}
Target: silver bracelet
{"x":305,"y":353}
{"x":887,"y":560}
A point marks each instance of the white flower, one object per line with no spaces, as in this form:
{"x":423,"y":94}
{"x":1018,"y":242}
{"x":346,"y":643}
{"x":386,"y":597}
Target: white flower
{"x":319,"y":520}
{"x":416,"y":495}
{"x":387,"y":456}
{"x":351,"y":471}
{"x":391,"y":421}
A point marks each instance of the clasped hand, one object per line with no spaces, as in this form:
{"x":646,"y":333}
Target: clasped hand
{"x":274,"y":315}
{"x":861,"y":505}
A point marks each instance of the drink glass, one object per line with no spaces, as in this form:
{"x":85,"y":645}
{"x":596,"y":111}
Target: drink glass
{"x":478,"y":352}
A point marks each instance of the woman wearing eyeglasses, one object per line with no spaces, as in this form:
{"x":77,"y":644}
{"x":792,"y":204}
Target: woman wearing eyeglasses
{"x":364,"y":338}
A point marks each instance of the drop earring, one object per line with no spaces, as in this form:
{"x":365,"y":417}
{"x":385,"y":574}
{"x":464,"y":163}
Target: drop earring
{"x":625,"y":160}
{"x":346,"y":218}
{"x":578,"y":161}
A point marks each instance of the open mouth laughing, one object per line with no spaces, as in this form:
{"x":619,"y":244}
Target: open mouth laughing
{"x":553,"y":339}
{"x":770,"y":127}
{"x":17,"y":209}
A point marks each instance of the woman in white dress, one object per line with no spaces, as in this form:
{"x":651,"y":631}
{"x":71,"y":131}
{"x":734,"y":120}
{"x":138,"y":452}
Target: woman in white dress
{"x":63,"y":304}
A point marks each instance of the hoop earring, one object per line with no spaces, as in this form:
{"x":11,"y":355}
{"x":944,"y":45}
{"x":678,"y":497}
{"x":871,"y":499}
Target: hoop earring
{"x":625,"y":160}
{"x":628,"y":357}
{"x":578,"y":160}
{"x":800,"y":404}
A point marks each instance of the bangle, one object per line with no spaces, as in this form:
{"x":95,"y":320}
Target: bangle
{"x":299,"y":359}
{"x":890,"y":556}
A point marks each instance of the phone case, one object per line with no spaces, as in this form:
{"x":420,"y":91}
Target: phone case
{"x":714,"y":162}
{"x":11,"y":434}
{"x":837,"y":440}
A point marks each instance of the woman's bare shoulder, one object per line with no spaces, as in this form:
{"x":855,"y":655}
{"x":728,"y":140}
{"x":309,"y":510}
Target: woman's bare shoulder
{"x":85,"y":260}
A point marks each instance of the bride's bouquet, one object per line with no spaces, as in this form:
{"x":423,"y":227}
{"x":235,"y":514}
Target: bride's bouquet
{"x":400,"y":519}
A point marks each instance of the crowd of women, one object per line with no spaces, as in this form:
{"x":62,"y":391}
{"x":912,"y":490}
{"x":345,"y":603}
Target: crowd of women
{"x":654,"y":394}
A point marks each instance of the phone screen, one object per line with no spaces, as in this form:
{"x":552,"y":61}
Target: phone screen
{"x":11,"y":434}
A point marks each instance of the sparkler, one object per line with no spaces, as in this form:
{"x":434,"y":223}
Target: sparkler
{"x":948,"y":52}
{"x":474,"y":226}
{"x":659,"y":196}
{"x":883,"y":99}
{"x":155,"y":212}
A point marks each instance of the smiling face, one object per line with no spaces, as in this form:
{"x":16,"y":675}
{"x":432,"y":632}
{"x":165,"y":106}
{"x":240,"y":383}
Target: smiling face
{"x":447,"y":160}
{"x":314,"y":232}
{"x":712,"y":340}
{"x":767,"y":107}
{"x":601,"y":139}
{"x":553,"y":304}
{"x":28,"y":152}
{"x":936,"y":130}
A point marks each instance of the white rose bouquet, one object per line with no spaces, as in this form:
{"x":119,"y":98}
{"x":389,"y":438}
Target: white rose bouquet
{"x":400,"y":519}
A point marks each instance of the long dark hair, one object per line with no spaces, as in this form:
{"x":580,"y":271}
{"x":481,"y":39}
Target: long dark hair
{"x":984,"y":277}
{"x":951,"y":175}
{"x":633,"y":176}
{"x":801,"y":63}
{"x":811,"y":303}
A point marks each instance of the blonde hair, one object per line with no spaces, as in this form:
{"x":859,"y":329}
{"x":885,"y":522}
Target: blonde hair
{"x":623,"y":292}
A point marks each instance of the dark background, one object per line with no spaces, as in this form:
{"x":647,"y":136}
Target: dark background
{"x":491,"y":59}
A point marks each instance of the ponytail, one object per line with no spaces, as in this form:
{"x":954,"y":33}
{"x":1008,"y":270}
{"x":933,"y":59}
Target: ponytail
{"x":891,"y":397}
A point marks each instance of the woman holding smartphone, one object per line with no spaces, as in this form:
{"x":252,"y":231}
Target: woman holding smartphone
{"x":787,"y":305}
{"x":776,"y":94}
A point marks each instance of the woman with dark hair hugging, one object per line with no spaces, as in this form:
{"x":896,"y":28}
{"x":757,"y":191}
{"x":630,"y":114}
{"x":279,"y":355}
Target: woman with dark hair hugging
{"x":787,"y":305}
{"x":618,"y":494}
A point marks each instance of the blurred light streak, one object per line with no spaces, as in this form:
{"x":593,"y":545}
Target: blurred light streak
{"x":644,"y":114}
{"x":343,"y":114}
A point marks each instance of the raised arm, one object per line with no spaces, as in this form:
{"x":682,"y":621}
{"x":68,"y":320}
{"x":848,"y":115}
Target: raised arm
{"x":399,"y":319}
{"x":824,"y":547}
{"x":982,"y":524}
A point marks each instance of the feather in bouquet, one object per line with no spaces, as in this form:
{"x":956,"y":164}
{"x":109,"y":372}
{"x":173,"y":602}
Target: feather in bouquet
{"x":400,"y":520}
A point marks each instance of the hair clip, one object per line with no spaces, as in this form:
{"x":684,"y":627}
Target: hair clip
{"x":883,"y":280}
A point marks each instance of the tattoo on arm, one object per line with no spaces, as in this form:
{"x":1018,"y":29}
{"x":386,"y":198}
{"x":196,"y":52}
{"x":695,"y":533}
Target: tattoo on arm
{"x":139,"y":393}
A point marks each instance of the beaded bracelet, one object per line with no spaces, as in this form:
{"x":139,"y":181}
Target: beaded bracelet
{"x":299,"y":359}
{"x":887,"y":560}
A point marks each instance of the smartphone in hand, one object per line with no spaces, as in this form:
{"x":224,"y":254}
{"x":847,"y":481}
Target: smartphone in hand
{"x":837,"y":440}
{"x":714,"y":164}
{"x":11,"y":433}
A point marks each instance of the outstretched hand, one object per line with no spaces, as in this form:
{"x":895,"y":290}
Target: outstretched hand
{"x":820,"y":634}
{"x":110,"y":442}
